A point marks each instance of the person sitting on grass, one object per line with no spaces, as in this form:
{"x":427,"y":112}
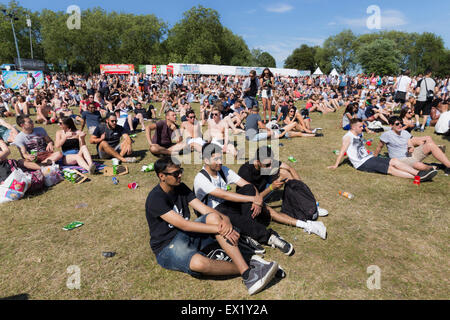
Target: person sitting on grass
{"x":7,"y":132}
{"x":73,"y":145}
{"x":191,"y":131}
{"x":166,"y":131}
{"x":36,"y":140}
{"x":90,"y":118}
{"x":353,"y":145}
{"x":408,"y":149}
{"x":245,"y":208}
{"x":107,"y":137}
{"x":177,"y":242}
{"x":259,"y":172}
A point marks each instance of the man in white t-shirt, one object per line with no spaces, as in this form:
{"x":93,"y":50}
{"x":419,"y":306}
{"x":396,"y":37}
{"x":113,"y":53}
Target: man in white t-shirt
{"x":443,"y":124}
{"x":362,"y":160}
{"x":245,"y":208}
{"x":403,"y":86}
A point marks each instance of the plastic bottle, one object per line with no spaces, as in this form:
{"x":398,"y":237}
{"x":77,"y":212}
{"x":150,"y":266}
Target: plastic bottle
{"x":115,"y":181}
{"x":336,"y":152}
{"x":346,"y":194}
{"x":292,"y":159}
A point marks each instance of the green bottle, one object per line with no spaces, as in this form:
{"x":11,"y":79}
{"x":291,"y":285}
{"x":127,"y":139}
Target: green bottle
{"x":292,"y":159}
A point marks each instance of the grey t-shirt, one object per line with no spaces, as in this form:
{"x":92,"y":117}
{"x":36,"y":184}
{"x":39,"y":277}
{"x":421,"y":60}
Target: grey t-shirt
{"x":35,"y":140}
{"x":423,"y":88}
{"x":251,"y":125}
{"x":397,"y":144}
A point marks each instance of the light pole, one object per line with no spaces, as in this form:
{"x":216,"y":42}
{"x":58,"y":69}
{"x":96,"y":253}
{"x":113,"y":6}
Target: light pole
{"x":12,"y":17}
{"x":31,"y":42}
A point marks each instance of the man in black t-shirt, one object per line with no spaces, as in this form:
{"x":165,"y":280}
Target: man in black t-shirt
{"x":268,"y":175}
{"x":177,"y":242}
{"x":107,"y":137}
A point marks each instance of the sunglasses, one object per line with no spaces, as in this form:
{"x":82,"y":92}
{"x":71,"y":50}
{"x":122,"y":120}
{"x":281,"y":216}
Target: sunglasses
{"x":191,"y":117}
{"x":175,"y":174}
{"x":397,"y":124}
{"x":215,"y":114}
{"x":113,"y":121}
{"x":266,"y":165}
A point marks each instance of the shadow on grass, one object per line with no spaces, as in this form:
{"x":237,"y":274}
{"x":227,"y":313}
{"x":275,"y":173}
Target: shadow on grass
{"x":23,"y":296}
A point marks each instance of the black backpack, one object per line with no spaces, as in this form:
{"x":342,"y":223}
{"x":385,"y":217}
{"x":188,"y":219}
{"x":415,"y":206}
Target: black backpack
{"x":206,"y":198}
{"x":299,"y":202}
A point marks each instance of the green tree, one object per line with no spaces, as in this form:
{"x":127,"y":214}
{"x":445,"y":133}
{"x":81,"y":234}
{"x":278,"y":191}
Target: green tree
{"x":427,"y":53}
{"x":262,"y":59}
{"x":302,"y":58}
{"x":380,"y":57}
{"x":323,"y":58}
{"x":342,"y":48}
{"x":7,"y":47}
{"x":235,"y":51}
{"x":197,"y":38}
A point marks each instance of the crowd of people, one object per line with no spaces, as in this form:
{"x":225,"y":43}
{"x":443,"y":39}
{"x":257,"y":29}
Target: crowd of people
{"x":111,"y":109}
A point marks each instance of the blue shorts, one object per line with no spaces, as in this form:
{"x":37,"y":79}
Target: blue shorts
{"x":178,"y":253}
{"x":6,"y":135}
{"x":250,"y":102}
{"x":70,"y":152}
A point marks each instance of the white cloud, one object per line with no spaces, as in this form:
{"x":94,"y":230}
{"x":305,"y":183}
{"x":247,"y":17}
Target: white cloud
{"x":389,"y":19}
{"x":279,"y":8}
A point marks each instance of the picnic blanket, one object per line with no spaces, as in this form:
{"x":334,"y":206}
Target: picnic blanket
{"x":99,"y":167}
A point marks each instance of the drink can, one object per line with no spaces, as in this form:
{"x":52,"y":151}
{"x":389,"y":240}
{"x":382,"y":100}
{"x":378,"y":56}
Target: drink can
{"x":133,"y":186}
{"x":115,"y":181}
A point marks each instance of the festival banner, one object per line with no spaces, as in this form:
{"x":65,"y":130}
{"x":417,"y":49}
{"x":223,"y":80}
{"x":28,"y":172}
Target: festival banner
{"x":15,"y":79}
{"x":117,"y":68}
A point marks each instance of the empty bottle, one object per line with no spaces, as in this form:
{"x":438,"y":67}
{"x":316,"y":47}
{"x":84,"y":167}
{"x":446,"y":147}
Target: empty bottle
{"x":346,"y":194}
{"x":336,"y":152}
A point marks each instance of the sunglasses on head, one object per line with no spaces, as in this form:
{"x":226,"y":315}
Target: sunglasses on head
{"x":175,"y":174}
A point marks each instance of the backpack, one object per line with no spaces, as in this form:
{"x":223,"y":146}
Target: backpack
{"x":299,"y":202}
{"x":206,"y":198}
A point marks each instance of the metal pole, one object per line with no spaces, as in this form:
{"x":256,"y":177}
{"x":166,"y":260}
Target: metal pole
{"x":17,"y":47}
{"x":31,"y":42}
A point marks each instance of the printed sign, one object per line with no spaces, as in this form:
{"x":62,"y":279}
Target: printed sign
{"x":15,"y":79}
{"x":117,"y":68}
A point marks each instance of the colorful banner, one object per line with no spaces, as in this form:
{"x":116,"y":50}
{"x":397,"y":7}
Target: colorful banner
{"x":117,"y":68}
{"x":15,"y":79}
{"x":189,"y":69}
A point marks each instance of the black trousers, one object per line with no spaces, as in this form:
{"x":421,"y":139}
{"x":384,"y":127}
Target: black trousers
{"x":240,"y":215}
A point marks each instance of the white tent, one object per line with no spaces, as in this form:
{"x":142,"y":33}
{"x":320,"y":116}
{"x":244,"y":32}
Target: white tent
{"x":318,"y":72}
{"x":334,"y":73}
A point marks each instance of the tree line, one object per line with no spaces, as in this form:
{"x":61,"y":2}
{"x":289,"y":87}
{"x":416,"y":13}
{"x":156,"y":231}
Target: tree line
{"x":382,"y":53}
{"x":200,"y":38}
{"x":114,"y":38}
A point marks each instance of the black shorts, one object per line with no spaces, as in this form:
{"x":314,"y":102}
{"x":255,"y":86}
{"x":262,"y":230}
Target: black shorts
{"x":400,"y":97}
{"x":424,"y":106}
{"x":376,"y":165}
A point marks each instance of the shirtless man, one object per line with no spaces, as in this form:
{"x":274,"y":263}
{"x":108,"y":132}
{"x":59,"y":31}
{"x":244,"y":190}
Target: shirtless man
{"x":192,"y":132}
{"x":218,"y":130}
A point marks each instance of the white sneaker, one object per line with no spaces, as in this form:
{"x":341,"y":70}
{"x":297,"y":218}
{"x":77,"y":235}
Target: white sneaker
{"x":322,"y":212}
{"x":316,"y":227}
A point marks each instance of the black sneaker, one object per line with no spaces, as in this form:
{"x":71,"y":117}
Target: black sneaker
{"x":427,"y":175}
{"x":260,"y":275}
{"x":318,"y":135}
{"x":277,"y":241}
{"x":447,"y":171}
{"x":251,"y":244}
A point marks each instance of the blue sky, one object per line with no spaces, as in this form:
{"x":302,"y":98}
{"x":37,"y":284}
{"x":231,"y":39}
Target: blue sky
{"x":279,"y":27}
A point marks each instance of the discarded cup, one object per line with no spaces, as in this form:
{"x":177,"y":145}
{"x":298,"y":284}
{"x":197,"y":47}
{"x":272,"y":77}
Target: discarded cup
{"x":108,"y":254}
{"x":81,"y":206}
{"x":132,"y":186}
{"x":417,"y":180}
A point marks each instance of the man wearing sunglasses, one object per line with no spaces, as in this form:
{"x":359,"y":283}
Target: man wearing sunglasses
{"x":191,"y":131}
{"x":177,"y":242}
{"x":245,"y":208}
{"x":410,"y":150}
{"x":166,"y":132}
{"x":107,"y":137}
{"x":250,"y":89}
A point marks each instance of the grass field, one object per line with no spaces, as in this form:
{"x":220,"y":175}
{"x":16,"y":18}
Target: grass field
{"x":391,"y":223}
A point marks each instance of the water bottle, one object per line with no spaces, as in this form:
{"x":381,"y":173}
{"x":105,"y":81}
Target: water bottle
{"x":336,"y":152}
{"x":115,"y":181}
{"x":346,"y":194}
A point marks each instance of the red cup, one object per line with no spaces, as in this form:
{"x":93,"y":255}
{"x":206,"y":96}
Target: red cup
{"x":417,"y":180}
{"x":132,"y":186}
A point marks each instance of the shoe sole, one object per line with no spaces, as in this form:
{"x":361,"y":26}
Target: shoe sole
{"x":262,"y":283}
{"x":429,"y":176}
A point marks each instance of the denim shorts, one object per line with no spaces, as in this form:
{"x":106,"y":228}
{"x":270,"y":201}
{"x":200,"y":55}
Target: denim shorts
{"x":178,"y":253}
{"x":250,"y":102}
{"x":70,"y":152}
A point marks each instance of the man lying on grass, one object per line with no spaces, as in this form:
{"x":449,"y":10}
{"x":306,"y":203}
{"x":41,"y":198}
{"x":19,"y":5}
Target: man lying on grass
{"x":177,"y":242}
{"x":353,"y":144}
